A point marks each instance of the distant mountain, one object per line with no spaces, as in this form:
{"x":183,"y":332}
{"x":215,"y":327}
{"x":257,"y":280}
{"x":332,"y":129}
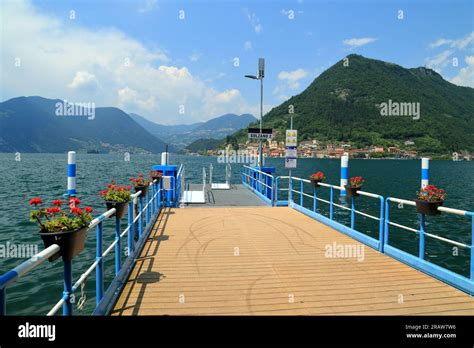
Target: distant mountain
{"x":183,"y":135}
{"x":30,"y":124}
{"x":163,"y":131}
{"x":226,"y":123}
{"x":346,"y":102}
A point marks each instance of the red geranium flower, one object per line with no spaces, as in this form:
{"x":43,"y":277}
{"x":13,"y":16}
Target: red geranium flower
{"x":128,"y":187}
{"x":318,"y":176}
{"x":88,"y":209}
{"x":53,"y":210}
{"x":58,"y":202}
{"x":431,"y":193}
{"x":35,"y":201}
{"x":76,"y":211}
{"x":356,"y":181}
{"x":75,"y":201}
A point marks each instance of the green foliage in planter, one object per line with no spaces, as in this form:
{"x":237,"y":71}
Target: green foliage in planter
{"x":55,"y":219}
{"x":116,"y":193}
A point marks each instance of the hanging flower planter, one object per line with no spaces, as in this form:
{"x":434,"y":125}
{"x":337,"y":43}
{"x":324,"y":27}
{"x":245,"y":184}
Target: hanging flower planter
{"x":351,"y":191}
{"x":156,"y":175}
{"x":355,"y":184}
{"x":143,"y":188}
{"x":66,"y":228}
{"x":117,"y":197}
{"x":120,"y":208}
{"x":70,"y":242}
{"x":317,"y":178}
{"x":140,"y":184}
{"x":429,"y":199}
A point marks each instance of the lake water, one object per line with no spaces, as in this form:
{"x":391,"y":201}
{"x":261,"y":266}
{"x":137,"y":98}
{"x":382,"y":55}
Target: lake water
{"x":45,"y":175}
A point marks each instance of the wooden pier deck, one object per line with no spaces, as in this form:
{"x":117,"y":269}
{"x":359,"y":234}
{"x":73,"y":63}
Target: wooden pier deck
{"x":272,"y":261}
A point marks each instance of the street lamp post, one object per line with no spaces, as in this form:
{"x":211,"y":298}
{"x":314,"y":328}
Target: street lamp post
{"x":260,"y":76}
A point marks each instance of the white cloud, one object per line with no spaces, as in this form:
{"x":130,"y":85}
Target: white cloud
{"x":453,"y":49}
{"x":254,"y":21}
{"x":439,"y":61}
{"x":148,"y":5}
{"x":247,"y":45}
{"x":440,"y":42}
{"x":289,"y":81}
{"x":84,"y":79}
{"x":358,"y":42}
{"x":195,"y":56}
{"x":129,"y":98}
{"x":292,"y":77}
{"x":59,"y":60}
{"x":465,"y":77}
{"x":227,"y":95}
{"x":459,"y":44}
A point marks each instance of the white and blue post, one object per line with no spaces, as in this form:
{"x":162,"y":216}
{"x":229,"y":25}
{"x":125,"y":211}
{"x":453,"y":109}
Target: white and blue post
{"x":425,"y":180}
{"x":344,"y":173}
{"x":71,"y":173}
{"x":425,"y":172}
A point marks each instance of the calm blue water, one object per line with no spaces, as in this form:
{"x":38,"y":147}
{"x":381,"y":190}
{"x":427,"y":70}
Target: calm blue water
{"x":45,"y":175}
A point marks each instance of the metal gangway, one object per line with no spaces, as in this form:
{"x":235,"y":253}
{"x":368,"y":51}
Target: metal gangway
{"x":192,"y":196}
{"x":221,"y":186}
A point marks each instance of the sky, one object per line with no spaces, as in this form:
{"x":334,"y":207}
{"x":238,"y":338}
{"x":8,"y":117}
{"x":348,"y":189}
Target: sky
{"x":179,"y":62}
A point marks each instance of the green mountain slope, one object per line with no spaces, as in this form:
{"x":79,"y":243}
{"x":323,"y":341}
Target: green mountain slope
{"x":343,"y":104}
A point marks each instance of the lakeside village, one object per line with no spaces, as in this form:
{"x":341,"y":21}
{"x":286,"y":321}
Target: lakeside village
{"x":317,"y":149}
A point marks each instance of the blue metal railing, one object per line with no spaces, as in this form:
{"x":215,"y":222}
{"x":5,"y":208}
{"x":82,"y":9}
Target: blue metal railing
{"x":455,"y":279}
{"x":148,"y":212}
{"x":295,"y":200}
{"x":261,"y":183}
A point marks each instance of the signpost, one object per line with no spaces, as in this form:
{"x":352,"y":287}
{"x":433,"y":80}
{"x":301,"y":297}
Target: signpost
{"x":291,"y":152}
{"x":291,"y":137}
{"x":256,"y":133}
{"x":261,"y":74}
{"x":290,"y":163}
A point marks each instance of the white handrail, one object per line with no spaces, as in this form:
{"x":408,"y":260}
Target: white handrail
{"x":210,"y":174}
{"x":228,"y":173}
{"x":32,"y":262}
{"x":203,"y":179}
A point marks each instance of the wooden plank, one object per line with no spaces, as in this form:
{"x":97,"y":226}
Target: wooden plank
{"x":272,"y":261}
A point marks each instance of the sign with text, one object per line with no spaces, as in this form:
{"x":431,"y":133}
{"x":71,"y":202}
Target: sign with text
{"x":291,"y":152}
{"x":291,"y":137}
{"x":254,"y":133}
{"x":290,"y":163}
